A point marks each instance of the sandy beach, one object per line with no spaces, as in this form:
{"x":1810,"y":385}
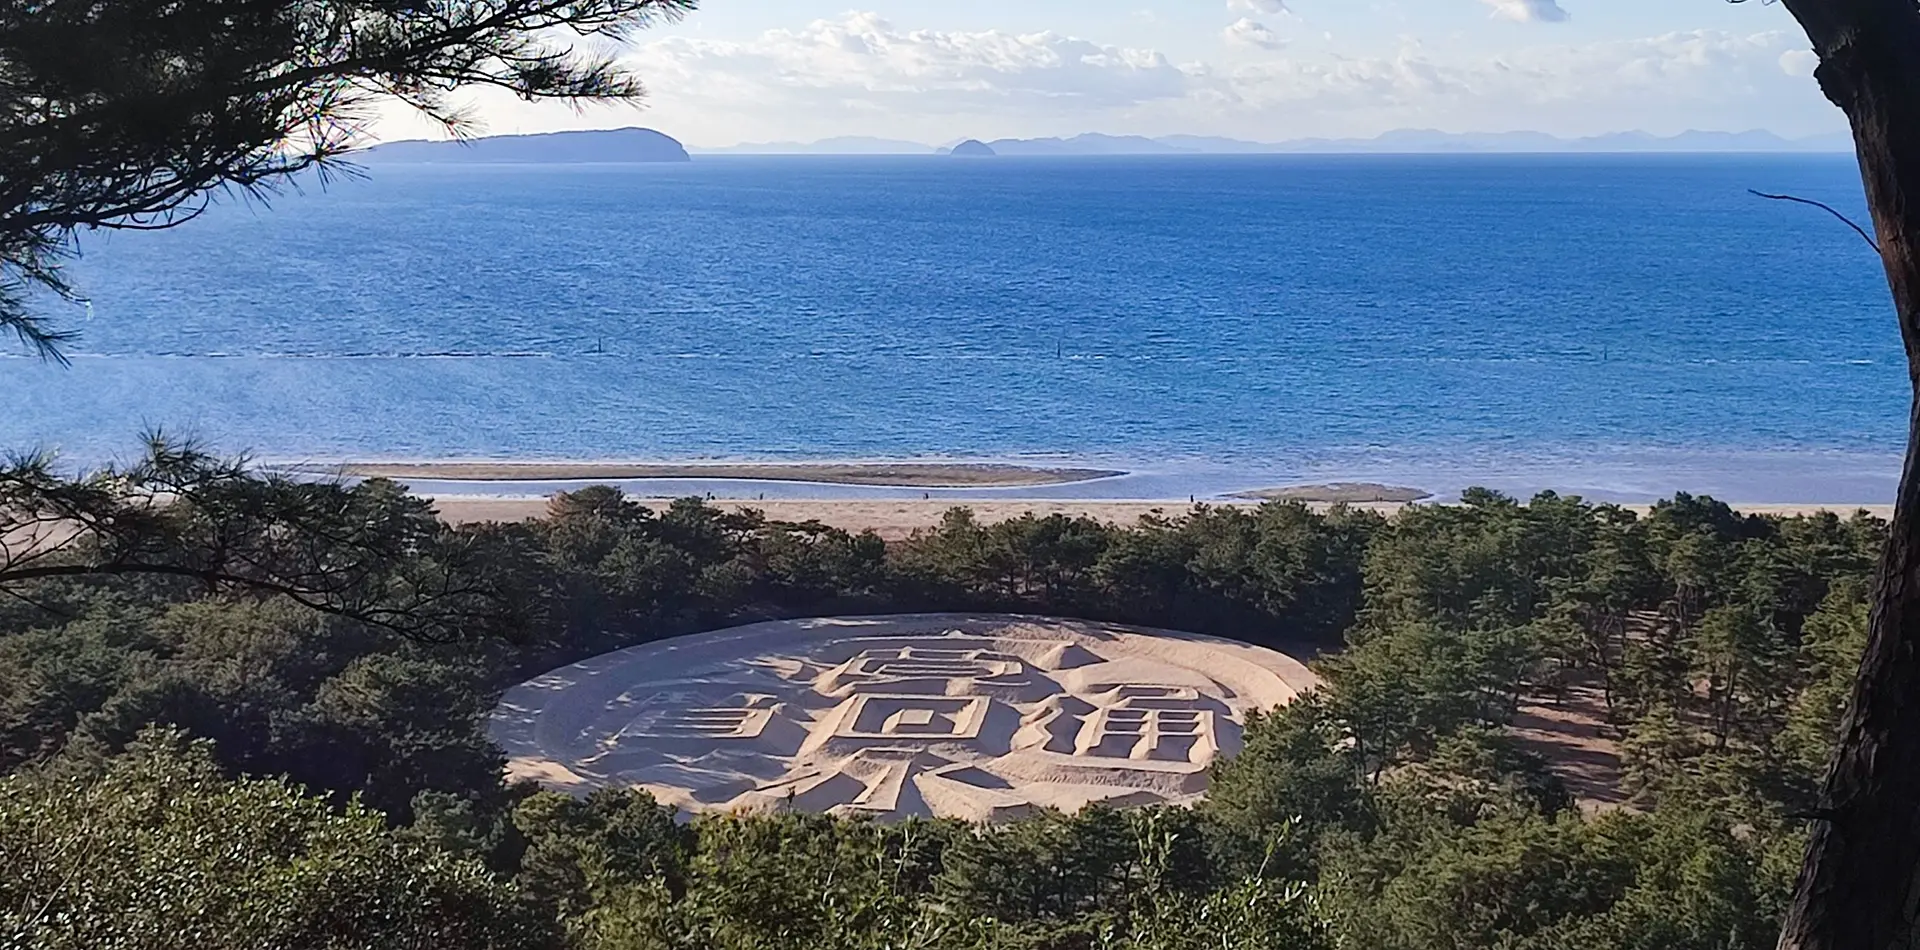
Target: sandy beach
{"x":897,"y":519}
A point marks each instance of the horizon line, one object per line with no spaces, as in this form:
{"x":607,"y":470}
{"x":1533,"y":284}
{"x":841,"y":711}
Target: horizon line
{"x":1837,"y":141}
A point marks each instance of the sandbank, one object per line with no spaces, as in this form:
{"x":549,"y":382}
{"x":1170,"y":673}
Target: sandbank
{"x":888,"y":475}
{"x":1339,"y":492}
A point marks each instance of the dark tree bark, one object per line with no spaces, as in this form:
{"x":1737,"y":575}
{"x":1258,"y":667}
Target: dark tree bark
{"x":1861,"y":882}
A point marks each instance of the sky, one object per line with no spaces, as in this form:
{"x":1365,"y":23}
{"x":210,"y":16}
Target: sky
{"x":937,"y":71}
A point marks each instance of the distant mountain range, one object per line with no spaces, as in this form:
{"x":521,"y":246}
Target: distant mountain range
{"x":559,"y":148}
{"x":1398,"y":141}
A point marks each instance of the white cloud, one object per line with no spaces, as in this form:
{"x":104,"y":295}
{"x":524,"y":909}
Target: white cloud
{"x":1258,"y":6}
{"x":1664,"y":84}
{"x":1528,"y":11}
{"x":1246,"y":32}
{"x":859,"y":74}
{"x":861,"y":61}
{"x":1799,"y":62}
{"x":1673,"y":67}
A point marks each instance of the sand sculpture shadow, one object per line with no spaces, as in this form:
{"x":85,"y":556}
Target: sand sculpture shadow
{"x":982,"y":717}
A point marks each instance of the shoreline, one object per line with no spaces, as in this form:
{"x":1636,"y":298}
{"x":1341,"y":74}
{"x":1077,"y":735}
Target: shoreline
{"x":1756,"y":478}
{"x":859,"y":474}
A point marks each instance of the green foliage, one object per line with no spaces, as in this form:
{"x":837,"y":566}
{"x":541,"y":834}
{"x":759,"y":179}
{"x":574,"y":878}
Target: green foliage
{"x":1490,"y":562}
{"x":1501,"y":882}
{"x":1741,"y":659}
{"x":1278,"y":574}
{"x":159,"y":851}
{"x":1399,"y":691}
{"x":396,"y":724}
{"x":1296,"y":765}
{"x":1723,"y":646}
{"x":576,"y":851}
{"x":1087,"y":867}
{"x":181,"y":520}
{"x":1128,"y":881}
{"x":1514,"y":877}
{"x":1396,"y":807}
{"x":1831,"y":644}
{"x":792,"y":881}
{"x":1454,"y":862}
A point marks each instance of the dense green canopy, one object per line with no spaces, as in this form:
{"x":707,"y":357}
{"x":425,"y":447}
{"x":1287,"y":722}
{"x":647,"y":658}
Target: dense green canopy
{"x":1415,"y":803}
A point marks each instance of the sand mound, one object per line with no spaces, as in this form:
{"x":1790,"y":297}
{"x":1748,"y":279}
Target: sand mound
{"x":972,"y":716}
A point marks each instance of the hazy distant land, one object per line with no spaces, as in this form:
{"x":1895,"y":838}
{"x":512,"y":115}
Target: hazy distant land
{"x":911,"y":475}
{"x":597,"y":146}
{"x":648,"y":145}
{"x":1397,"y":141}
{"x":971,"y":148}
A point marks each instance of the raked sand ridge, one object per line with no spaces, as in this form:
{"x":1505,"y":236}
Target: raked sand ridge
{"x":982,"y":717}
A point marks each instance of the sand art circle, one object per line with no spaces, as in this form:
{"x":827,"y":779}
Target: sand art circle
{"x":981,"y":717}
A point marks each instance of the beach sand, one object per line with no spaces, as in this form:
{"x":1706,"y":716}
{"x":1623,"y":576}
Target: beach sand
{"x":981,"y":717}
{"x":896,"y":519}
{"x":890,"y":475}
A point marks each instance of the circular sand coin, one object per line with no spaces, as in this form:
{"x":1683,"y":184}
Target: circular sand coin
{"x":982,"y":717}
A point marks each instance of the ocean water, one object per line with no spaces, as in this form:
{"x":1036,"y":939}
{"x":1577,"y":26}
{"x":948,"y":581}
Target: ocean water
{"x":1620,"y":326}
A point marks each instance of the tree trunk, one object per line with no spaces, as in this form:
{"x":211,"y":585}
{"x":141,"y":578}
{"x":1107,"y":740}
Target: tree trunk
{"x":1861,"y":881}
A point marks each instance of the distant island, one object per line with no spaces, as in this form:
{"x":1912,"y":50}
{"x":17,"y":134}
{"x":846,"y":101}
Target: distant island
{"x":557,"y":148}
{"x":973,"y":148}
{"x":1399,"y":141}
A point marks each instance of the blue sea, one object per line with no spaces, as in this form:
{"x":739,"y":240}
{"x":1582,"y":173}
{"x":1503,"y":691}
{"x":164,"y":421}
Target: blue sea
{"x":1616,"y":326}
